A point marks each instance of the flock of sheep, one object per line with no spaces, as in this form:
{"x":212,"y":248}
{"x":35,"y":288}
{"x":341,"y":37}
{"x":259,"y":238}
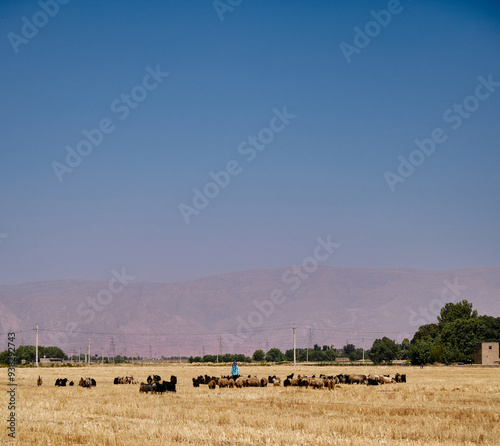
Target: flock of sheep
{"x":322,"y":381}
{"x":154,"y":383}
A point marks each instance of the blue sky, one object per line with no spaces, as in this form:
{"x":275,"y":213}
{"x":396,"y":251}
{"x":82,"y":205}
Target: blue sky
{"x":323,"y":174}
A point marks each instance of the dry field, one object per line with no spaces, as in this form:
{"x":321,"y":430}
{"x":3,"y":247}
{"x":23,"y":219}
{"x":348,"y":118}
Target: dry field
{"x":438,"y":405}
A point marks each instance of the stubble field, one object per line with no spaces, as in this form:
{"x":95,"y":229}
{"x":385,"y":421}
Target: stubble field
{"x":437,"y":405}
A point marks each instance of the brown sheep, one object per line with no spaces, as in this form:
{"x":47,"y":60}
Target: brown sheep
{"x":239,"y":383}
{"x":263,"y":382}
{"x":253,"y":382}
{"x":304,"y":381}
{"x":39,"y":381}
{"x":317,"y":383}
{"x":211,"y":384}
{"x":223,"y":382}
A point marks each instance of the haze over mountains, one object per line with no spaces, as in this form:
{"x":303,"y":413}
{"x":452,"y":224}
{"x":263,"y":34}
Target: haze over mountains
{"x":247,"y":310}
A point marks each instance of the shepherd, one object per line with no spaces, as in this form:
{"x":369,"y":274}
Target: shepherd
{"x":234,"y":370}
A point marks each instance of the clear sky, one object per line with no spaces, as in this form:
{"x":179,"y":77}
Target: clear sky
{"x":312,"y":107}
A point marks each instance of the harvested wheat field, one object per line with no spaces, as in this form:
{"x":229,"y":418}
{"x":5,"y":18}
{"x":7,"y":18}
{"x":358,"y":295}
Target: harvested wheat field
{"x":437,"y":405}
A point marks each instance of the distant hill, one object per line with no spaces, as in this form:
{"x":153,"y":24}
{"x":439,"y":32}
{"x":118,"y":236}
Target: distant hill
{"x":339,"y":304}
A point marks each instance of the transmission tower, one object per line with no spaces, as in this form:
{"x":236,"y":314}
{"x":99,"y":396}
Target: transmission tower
{"x":112,"y":347}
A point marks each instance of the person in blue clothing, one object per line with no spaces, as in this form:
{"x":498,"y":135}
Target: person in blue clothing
{"x":234,"y":369}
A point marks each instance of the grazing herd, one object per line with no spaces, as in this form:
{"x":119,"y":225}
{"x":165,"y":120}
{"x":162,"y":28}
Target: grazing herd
{"x":322,"y":381}
{"x":60,"y":382}
{"x":126,"y":380}
{"x":154,"y":383}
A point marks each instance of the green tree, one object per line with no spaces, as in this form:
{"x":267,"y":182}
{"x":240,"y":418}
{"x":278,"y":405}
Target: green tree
{"x":356,"y":354}
{"x":459,"y":339}
{"x":404,"y":351}
{"x":329,"y":355}
{"x":348,"y":349}
{"x":275,"y":355}
{"x":420,"y":351}
{"x":51,"y":352}
{"x":258,"y":355}
{"x":425,"y":332}
{"x":492,"y":328}
{"x":384,"y":350}
{"x":452,"y":312}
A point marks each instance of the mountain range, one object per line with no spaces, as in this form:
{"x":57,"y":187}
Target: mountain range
{"x":240,"y":312}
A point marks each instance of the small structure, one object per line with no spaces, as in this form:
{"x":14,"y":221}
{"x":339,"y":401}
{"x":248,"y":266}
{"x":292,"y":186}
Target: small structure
{"x":487,"y":353}
{"x":49,"y":361}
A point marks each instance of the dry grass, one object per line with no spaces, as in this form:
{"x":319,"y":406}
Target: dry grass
{"x":444,"y":405}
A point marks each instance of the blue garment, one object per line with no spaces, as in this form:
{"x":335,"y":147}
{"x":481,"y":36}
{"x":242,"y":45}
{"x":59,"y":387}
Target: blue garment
{"x":234,"y":370}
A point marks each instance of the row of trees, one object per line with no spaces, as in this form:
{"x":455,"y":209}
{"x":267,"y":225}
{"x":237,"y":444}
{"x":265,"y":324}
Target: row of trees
{"x":316,"y":354}
{"x":455,"y":335}
{"x":28,"y":354}
{"x":452,"y":339}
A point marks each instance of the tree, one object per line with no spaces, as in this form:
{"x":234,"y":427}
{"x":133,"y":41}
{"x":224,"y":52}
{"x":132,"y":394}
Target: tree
{"x":356,"y":355}
{"x":258,"y":355}
{"x":384,"y":349}
{"x":459,"y":339}
{"x":454,"y":337}
{"x":28,"y":353}
{"x":51,"y":352}
{"x":452,"y":312}
{"x":275,"y":355}
{"x":289,"y":355}
{"x":492,"y":328}
{"x":425,"y":331}
{"x":420,"y":351}
{"x":348,"y":349}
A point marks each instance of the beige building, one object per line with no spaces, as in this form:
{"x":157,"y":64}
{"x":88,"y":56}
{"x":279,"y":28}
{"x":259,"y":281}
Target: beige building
{"x":487,"y":353}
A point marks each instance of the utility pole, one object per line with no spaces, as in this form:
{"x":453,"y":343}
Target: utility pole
{"x":180,"y":354}
{"x":294,"y":356}
{"x":102,"y":355}
{"x":218,"y":344}
{"x":363,"y":350}
{"x":150,"y":353}
{"x":36,"y":348}
{"x":89,"y":351}
{"x":309,"y":344}
{"x":79,"y":355}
